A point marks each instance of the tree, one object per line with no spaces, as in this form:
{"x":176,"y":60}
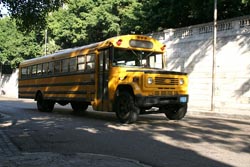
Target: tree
{"x":136,"y":15}
{"x":15,"y":46}
{"x":86,"y":21}
{"x":173,"y":14}
{"x":31,"y":14}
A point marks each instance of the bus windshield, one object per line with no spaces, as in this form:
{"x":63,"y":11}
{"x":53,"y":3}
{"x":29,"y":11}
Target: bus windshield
{"x":136,"y":58}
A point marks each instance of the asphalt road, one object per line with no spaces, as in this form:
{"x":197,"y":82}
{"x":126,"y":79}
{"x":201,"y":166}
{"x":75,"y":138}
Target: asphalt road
{"x":194,"y":141}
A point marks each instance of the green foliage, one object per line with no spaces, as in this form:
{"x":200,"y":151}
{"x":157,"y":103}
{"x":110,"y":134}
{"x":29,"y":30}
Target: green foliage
{"x":245,"y":1}
{"x":86,"y":21}
{"x":173,"y":14}
{"x":80,"y":22}
{"x":66,"y":29}
{"x":15,"y":46}
{"x":122,"y":16}
{"x":31,"y":14}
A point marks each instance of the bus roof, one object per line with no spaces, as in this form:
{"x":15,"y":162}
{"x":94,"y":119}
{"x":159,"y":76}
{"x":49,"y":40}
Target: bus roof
{"x":78,"y":50}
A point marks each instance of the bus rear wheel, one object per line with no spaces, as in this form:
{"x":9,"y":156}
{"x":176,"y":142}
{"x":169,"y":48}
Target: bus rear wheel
{"x":176,"y":112}
{"x":125,"y":108}
{"x":79,"y":106}
{"x":44,"y":105}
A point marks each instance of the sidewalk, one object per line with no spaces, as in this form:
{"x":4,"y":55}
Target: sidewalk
{"x":10,"y":156}
{"x":220,"y":114}
{"x":46,"y":159}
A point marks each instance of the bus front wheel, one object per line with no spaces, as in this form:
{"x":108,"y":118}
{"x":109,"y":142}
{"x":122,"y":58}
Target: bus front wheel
{"x":44,"y":105}
{"x":176,"y":112}
{"x":125,"y":108}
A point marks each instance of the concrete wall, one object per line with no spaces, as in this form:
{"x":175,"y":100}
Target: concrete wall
{"x":190,"y":49}
{"x":9,"y":84}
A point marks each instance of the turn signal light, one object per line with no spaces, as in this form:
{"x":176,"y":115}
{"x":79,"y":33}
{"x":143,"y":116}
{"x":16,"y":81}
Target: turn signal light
{"x":119,"y":42}
{"x":163,"y":47}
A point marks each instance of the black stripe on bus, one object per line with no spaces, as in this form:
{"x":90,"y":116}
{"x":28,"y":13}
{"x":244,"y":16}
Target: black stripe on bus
{"x":23,"y":96}
{"x":26,"y":92}
{"x":57,"y":98}
{"x":67,"y":99}
{"x":65,"y":92}
{"x":58,"y":84}
{"x":158,"y":72}
{"x":58,"y":92}
{"x":37,"y":76}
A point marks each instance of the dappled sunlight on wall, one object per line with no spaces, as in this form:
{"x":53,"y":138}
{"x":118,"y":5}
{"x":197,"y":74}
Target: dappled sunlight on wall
{"x":190,"y":49}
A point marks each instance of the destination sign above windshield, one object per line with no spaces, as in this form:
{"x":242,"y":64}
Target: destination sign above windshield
{"x":141,"y":44}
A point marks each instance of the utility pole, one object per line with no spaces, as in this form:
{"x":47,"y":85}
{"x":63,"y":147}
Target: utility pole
{"x":214,"y":56}
{"x":45,"y":40}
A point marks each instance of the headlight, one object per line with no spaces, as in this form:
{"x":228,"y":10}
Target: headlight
{"x":150,"y":80}
{"x":181,"y":81}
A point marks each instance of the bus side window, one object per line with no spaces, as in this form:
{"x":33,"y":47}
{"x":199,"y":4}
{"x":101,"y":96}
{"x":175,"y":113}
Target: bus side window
{"x":73,"y":64}
{"x":90,"y":62}
{"x":107,"y":59}
{"x":57,"y":66}
{"x":45,"y":68}
{"x":34,"y":70}
{"x":81,"y":63}
{"x":158,"y":61}
{"x":51,"y":68}
{"x":24,"y":72}
{"x":28,"y":71}
{"x":39,"y":69}
{"x":65,"y":65}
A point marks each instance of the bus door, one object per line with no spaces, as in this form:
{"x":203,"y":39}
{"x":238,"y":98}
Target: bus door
{"x":103,"y":77}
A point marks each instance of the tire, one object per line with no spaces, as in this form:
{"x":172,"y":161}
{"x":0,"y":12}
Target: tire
{"x":44,"y":105}
{"x":125,"y":108}
{"x":176,"y":112}
{"x":79,"y":107}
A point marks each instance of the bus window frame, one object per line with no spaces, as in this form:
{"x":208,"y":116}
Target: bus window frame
{"x":45,"y":68}
{"x":81,"y":63}
{"x":34,"y":70}
{"x":39,"y":69}
{"x":57,"y":67}
{"x":74,"y":64}
{"x":147,"y":65}
{"x":90,"y":59}
{"x":24,"y":72}
{"x":65,"y":70}
{"x":50,"y":68}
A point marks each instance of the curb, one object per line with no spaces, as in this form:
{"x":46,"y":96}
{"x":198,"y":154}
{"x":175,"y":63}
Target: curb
{"x":219,"y":115}
{"x":49,"y":159}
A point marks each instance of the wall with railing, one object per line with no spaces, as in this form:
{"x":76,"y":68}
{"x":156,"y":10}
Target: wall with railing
{"x":190,"y":49}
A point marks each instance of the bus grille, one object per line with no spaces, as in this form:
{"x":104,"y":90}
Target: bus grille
{"x":164,"y":93}
{"x":166,"y":81}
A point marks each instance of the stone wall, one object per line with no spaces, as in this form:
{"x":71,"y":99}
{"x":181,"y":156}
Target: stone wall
{"x":190,"y":49}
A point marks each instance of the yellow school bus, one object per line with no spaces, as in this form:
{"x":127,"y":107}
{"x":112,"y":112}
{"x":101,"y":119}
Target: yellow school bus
{"x":123,"y":74}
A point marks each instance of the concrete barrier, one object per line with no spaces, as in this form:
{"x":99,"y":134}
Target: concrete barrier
{"x":190,"y":49}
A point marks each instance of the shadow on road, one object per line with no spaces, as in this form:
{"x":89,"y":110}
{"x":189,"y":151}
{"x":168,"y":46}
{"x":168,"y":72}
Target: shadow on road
{"x":153,"y":140}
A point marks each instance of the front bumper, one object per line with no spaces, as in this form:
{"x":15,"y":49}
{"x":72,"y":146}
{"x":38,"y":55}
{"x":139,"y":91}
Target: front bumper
{"x":159,"y":101}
